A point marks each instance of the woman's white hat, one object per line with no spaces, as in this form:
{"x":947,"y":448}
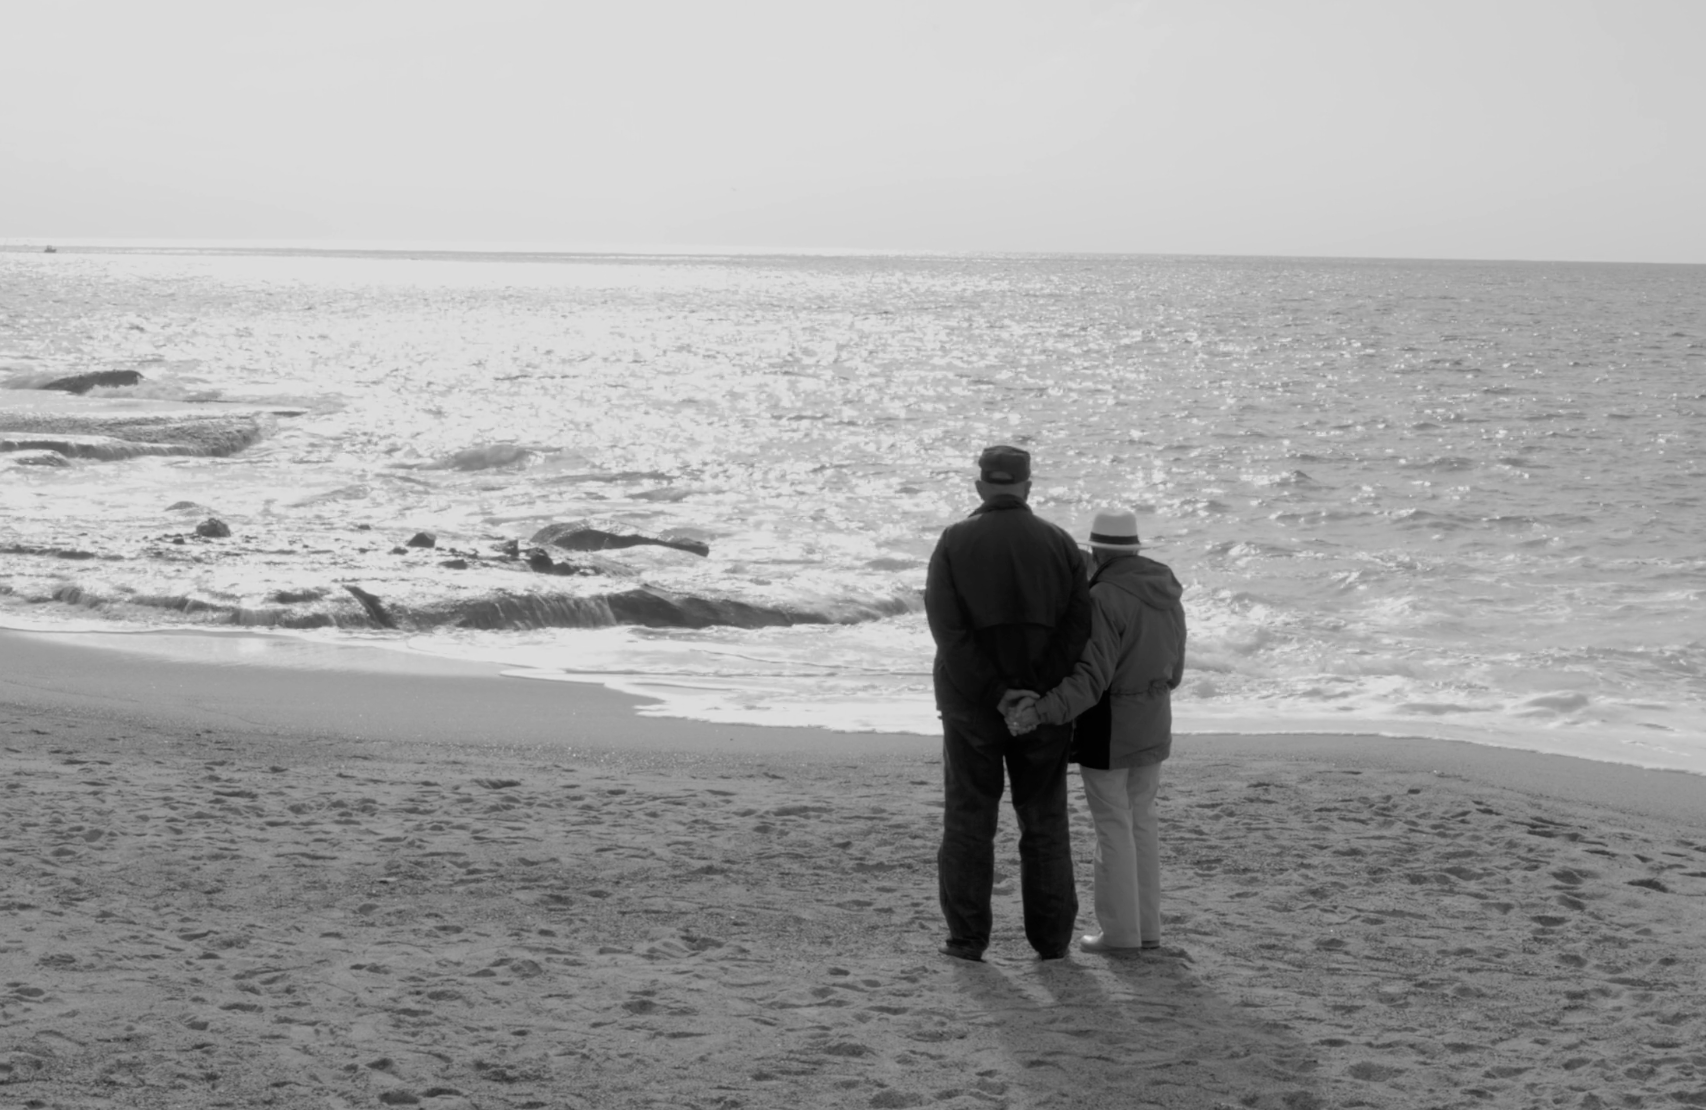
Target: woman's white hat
{"x":1115,"y":530}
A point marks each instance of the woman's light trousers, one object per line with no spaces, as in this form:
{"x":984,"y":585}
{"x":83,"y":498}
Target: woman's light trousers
{"x":1128,"y":853}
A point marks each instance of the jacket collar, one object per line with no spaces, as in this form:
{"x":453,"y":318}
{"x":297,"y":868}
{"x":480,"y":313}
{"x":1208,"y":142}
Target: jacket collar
{"x":1000,"y":503}
{"x":1114,"y":568}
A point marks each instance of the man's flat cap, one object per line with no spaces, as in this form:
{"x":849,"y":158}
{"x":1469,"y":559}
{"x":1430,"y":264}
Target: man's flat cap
{"x":1002,"y":465}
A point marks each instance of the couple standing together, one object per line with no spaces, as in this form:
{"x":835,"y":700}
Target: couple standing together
{"x":1040,"y":663}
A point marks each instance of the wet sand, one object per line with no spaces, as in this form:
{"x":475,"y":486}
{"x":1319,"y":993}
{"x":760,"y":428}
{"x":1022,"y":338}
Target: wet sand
{"x":365,"y":881}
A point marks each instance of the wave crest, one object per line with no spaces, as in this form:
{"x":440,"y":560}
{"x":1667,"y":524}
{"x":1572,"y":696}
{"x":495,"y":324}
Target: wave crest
{"x":645,"y":606}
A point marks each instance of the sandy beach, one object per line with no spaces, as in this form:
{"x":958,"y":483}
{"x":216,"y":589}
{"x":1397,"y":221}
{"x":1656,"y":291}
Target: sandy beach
{"x":415,"y":883}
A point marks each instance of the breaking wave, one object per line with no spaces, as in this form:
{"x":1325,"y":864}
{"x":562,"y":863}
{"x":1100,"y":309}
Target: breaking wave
{"x":356,"y":608}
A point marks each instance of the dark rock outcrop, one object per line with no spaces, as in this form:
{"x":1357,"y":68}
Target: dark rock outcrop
{"x":101,"y":448}
{"x":539,"y":561}
{"x":83,"y":383}
{"x":581,"y":536}
{"x":213,"y":528}
{"x":293,"y":597}
{"x":376,"y":611}
{"x":109,"y":437}
{"x":423,"y":539}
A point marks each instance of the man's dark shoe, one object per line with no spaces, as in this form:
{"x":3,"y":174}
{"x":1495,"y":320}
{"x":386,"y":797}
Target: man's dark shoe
{"x":1052,"y":954}
{"x":960,"y":952}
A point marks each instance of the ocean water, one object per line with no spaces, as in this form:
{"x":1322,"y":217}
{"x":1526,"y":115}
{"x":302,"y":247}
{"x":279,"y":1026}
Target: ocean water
{"x":1451,"y":499}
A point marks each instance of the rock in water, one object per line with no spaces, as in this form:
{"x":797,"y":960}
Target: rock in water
{"x":539,"y":561}
{"x":376,"y":610}
{"x":213,"y":528}
{"x":109,"y":436}
{"x":292,"y":597}
{"x":423,"y":539}
{"x":581,"y":536}
{"x":83,"y":383}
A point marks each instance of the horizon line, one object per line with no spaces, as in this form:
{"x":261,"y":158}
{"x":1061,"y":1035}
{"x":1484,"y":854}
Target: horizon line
{"x":473,"y":248}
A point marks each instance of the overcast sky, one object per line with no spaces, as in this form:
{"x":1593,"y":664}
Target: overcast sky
{"x":1546,"y":129}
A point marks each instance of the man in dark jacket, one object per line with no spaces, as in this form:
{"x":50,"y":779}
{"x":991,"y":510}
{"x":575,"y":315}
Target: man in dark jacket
{"x":1009,"y":606}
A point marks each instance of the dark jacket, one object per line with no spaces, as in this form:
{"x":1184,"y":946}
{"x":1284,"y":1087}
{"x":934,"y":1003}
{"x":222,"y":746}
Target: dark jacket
{"x":1009,"y":606}
{"x":1121,"y":690}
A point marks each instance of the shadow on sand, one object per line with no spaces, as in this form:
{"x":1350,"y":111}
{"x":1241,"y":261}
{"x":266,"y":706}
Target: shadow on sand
{"x":1123,"y":1031}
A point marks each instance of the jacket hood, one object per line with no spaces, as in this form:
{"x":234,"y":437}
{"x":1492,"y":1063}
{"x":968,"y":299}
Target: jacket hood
{"x":1143,"y":578}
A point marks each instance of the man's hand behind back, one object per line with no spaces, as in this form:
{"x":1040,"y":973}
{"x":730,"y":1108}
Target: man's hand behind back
{"x":1018,"y":707}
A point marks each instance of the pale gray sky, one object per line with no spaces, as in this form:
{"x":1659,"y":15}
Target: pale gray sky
{"x":1433,"y":128}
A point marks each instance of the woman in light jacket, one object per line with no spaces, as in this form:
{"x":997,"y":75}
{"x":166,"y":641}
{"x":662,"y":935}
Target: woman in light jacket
{"x":1120,"y":694}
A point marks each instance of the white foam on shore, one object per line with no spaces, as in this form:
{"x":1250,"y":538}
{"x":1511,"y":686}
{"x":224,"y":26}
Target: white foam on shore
{"x":855,"y":706}
{"x":896,"y":703}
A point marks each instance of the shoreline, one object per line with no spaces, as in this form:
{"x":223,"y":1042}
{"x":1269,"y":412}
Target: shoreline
{"x":335,"y":887}
{"x":375,"y":694}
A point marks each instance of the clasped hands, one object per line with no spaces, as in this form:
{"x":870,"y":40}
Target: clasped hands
{"x":1019,"y":708}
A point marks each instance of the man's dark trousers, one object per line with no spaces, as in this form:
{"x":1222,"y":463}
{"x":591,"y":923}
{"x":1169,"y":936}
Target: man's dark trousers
{"x":976,"y":748}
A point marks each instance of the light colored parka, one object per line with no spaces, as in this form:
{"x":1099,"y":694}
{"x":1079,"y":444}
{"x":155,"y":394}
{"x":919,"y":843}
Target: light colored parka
{"x":1121,"y":690}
